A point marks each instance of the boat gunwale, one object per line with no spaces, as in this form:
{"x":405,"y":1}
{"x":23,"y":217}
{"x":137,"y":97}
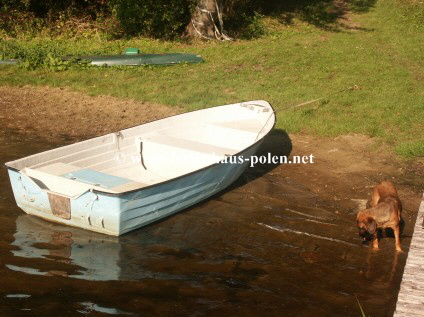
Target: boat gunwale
{"x":96,"y":191}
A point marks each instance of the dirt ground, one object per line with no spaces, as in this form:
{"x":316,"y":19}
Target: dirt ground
{"x":344,"y":170}
{"x":54,"y":112}
{"x":353,"y":162}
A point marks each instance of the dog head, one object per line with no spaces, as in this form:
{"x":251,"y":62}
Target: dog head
{"x":366,"y":224}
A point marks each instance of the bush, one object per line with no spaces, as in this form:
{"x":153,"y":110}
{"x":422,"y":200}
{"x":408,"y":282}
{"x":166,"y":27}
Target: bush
{"x":242,"y":20}
{"x":38,"y":55}
{"x":247,"y":26}
{"x":69,"y":18}
{"x":155,"y":18}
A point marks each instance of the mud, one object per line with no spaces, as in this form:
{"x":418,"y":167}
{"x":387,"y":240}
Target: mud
{"x":281,"y":241}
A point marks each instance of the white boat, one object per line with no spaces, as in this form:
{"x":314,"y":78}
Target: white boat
{"x":124,"y":180}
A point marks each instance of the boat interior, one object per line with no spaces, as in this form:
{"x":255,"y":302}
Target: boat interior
{"x":147,"y":154}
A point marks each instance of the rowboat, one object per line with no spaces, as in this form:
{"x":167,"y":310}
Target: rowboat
{"x":124,"y":180}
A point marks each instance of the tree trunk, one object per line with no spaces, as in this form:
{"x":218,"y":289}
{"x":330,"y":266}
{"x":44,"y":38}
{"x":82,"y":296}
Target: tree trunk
{"x":206,"y":21}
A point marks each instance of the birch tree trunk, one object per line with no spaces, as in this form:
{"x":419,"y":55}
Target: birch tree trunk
{"x":206,"y":21}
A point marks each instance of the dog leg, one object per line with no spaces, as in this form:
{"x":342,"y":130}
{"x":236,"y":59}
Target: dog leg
{"x":375,"y":242}
{"x":397,"y":238}
{"x":375,"y":197}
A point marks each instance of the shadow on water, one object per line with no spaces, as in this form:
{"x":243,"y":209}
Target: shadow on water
{"x":277,"y":144}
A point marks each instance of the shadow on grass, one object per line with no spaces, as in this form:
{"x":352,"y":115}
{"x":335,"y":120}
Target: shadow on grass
{"x":325,"y":14}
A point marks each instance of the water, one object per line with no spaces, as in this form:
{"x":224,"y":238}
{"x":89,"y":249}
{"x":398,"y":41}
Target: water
{"x":268,"y":247}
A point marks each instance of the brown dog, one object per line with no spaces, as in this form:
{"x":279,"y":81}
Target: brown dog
{"x":384,"y":213}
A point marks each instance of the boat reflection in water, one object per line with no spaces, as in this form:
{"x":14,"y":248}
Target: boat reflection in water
{"x":73,"y":252}
{"x":46,"y":248}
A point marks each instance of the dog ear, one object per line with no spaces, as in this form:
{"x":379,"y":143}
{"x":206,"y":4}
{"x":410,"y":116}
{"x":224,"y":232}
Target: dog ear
{"x":371,"y":225}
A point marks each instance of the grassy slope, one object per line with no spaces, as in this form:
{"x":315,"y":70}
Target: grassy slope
{"x":384,"y":57}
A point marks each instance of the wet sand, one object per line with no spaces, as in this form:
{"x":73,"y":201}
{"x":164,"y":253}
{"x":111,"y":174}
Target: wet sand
{"x":281,"y":241}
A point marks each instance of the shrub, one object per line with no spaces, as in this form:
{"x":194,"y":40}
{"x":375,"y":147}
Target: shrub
{"x":155,"y":18}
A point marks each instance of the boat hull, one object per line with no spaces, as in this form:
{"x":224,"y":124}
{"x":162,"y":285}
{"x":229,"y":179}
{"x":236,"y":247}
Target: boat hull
{"x":117,"y":214}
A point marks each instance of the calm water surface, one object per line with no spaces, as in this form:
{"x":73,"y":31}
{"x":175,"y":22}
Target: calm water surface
{"x":267,"y":247}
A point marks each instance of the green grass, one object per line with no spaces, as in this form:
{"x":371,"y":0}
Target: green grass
{"x":383,"y":55}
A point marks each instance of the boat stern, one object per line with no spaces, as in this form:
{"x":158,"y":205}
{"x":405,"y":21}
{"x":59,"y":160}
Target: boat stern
{"x":90,"y":210}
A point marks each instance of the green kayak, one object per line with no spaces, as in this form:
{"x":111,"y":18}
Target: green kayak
{"x":8,"y":61}
{"x":142,"y":59}
{"x":132,"y":57}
